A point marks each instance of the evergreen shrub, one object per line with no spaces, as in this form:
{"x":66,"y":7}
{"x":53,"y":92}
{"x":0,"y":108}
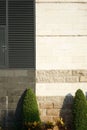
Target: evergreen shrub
{"x":79,"y":111}
{"x":30,"y":107}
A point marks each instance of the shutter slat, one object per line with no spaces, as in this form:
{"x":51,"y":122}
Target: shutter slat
{"x":2,"y":12}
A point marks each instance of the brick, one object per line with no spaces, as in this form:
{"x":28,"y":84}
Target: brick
{"x":58,"y":105}
{"x":15,"y":92}
{"x":19,"y":73}
{"x":11,"y":114}
{"x":47,"y":105}
{"x":83,"y":79}
{"x":55,"y":118}
{"x":3,"y":99}
{"x":49,"y":76}
{"x":55,"y":98}
{"x":79,"y":72}
{"x":54,"y":76}
{"x":58,"y":102}
{"x":2,"y":105}
{"x":3,"y":79}
{"x":49,"y":79}
{"x":2,"y":113}
{"x":46,"y":118}
{"x":6,"y":73}
{"x":72,"y":79}
{"x":41,"y":98}
{"x":14,"y":99}
{"x":52,"y":112}
{"x":42,"y":112}
{"x":12,"y":105}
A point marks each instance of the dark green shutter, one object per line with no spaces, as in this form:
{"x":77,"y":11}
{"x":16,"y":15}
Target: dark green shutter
{"x":2,"y":33}
{"x":2,"y":12}
{"x":2,"y":47}
{"x":21,"y":34}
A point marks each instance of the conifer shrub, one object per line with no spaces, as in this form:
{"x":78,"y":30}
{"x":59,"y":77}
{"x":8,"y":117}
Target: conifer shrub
{"x":30,"y":107}
{"x":79,"y":111}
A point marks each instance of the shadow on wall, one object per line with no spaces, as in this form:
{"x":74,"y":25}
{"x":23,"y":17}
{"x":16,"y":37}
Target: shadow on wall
{"x":12,"y":119}
{"x":7,"y":119}
{"x":18,"y":113}
{"x":66,"y":111}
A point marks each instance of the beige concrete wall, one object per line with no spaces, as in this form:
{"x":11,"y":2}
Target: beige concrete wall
{"x":56,"y":52}
{"x":61,"y":36}
{"x":61,"y":54}
{"x":61,"y":32}
{"x":61,"y":19}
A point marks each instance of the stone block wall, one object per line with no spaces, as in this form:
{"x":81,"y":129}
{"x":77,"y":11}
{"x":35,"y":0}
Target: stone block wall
{"x":61,"y":62}
{"x":53,"y":107}
{"x":13,"y":83}
{"x":56,"y":90}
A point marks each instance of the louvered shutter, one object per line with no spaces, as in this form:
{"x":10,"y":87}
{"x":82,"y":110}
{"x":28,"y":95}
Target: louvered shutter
{"x":2,"y":12}
{"x":2,"y":33}
{"x":21,"y":34}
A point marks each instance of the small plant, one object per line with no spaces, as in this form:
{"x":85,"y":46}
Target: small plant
{"x":33,"y":125}
{"x":0,"y":128}
{"x":49,"y":125}
{"x":61,"y":125}
{"x":79,"y":111}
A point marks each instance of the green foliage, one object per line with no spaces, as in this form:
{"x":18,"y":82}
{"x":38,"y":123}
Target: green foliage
{"x":61,"y":124}
{"x":79,"y":111}
{"x":30,"y":107}
{"x":49,"y":125}
{"x":33,"y":125}
{"x":39,"y":125}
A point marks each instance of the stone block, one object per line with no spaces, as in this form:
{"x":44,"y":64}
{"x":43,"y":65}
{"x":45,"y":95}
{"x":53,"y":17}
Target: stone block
{"x":6,"y":73}
{"x":42,"y":112}
{"x":83,"y":79}
{"x":72,"y":79}
{"x":12,"y":105}
{"x":58,"y":105}
{"x":79,"y":72}
{"x":46,"y":105}
{"x":49,"y":76}
{"x":11,"y":115}
{"x":52,"y":112}
{"x":55,"y":118}
{"x":3,"y":99}
{"x":2,"y":105}
{"x":41,"y":98}
{"x":20,"y":73}
{"x":3,"y":79}
{"x":46,"y":118}
{"x":13,"y":99}
{"x":15,"y":92}
{"x":59,"y":102}
{"x":31,"y":75}
{"x":2,"y":114}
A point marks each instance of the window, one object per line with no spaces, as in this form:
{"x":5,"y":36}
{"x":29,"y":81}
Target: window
{"x":17,"y":36}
